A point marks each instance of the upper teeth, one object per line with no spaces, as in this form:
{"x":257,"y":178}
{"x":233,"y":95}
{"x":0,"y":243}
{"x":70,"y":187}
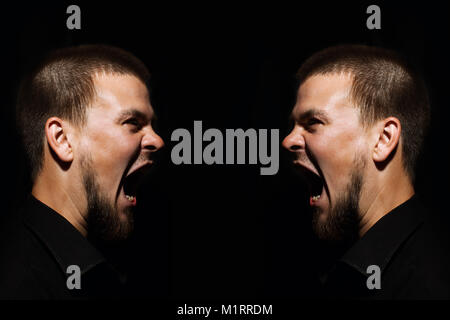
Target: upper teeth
{"x":315,"y":198}
{"x":131,"y":198}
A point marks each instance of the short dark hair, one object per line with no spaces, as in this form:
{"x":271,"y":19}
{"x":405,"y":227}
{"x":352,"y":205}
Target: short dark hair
{"x":384,"y":84}
{"x":62,"y":85}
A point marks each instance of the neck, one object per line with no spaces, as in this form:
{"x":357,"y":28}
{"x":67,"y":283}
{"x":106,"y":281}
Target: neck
{"x":382,"y":198}
{"x":56,"y":194}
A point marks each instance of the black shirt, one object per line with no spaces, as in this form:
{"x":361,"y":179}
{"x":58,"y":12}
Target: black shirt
{"x":410,"y":251}
{"x":36,"y":248}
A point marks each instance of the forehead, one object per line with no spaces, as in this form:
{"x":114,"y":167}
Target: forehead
{"x":117,"y":93}
{"x":327,"y":93}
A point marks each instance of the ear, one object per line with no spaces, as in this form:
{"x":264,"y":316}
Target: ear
{"x":58,"y":140}
{"x":388,"y":137}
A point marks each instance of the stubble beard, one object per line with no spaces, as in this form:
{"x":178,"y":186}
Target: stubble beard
{"x":342,"y":223}
{"x":103,"y":219}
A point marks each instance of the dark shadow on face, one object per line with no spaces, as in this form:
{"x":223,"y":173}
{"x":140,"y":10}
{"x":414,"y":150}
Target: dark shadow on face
{"x":104,"y":222}
{"x":342,"y":223}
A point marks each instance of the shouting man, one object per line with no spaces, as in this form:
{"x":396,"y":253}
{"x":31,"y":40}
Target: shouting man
{"x":360,"y":120}
{"x":86,"y":122}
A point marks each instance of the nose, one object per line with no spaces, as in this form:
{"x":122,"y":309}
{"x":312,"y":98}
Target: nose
{"x":295,"y":140}
{"x":151,"y":140}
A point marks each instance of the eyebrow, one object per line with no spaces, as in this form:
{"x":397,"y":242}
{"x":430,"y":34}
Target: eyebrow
{"x":310,"y":114}
{"x":136,"y":114}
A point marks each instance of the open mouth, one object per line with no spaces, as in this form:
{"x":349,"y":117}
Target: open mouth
{"x":316,"y":185}
{"x":133,"y":181}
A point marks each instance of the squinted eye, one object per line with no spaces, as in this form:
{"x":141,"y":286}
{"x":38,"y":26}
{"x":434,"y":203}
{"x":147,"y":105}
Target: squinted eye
{"x":133,"y":122}
{"x":313,"y":121}
{"x":311,"y":124}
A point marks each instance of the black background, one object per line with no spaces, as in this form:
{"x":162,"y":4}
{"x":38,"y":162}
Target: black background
{"x":224,"y":231}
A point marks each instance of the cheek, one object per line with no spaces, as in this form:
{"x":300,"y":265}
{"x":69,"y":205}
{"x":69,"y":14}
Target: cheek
{"x":335,"y":153}
{"x":111,"y":152}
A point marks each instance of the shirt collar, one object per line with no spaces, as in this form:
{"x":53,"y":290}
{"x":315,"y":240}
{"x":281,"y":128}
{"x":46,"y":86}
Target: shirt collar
{"x":66,"y":244}
{"x":381,"y":241}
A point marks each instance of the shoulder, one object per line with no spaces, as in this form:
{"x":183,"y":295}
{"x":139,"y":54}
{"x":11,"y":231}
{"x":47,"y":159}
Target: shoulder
{"x":25,"y":262}
{"x":419,"y":268}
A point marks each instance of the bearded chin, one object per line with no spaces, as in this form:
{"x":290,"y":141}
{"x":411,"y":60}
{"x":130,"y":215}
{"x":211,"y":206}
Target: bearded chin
{"x":342,"y":223}
{"x":103,"y":219}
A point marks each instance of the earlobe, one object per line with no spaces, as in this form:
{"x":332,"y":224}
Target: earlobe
{"x":58,"y":140}
{"x":388,"y":139}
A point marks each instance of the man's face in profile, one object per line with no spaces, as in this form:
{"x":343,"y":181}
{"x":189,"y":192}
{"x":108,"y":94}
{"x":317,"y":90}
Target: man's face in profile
{"x":115,"y":151}
{"x":330,"y":148}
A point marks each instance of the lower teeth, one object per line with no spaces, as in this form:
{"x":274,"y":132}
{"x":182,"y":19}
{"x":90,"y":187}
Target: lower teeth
{"x":315,"y":198}
{"x":131,"y":198}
